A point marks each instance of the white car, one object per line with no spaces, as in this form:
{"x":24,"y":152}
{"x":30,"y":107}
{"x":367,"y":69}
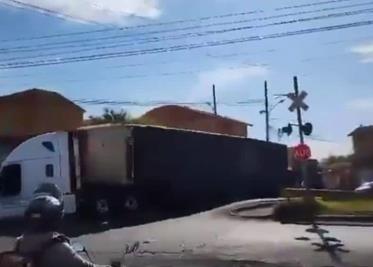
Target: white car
{"x":365,"y":187}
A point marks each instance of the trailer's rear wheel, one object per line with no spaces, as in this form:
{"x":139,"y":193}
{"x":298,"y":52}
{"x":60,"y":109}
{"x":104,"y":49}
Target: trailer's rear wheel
{"x":102,"y":206}
{"x":131,"y":203}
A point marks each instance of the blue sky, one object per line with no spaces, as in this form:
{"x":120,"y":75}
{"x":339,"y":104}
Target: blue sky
{"x":334,"y":67}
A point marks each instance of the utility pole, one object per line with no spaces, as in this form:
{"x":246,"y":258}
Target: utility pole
{"x":266,"y":110}
{"x":214,"y":100}
{"x":301,"y":137}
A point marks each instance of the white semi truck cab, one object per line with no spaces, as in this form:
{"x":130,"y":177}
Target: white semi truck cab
{"x":92,"y":166}
{"x":41,"y":159}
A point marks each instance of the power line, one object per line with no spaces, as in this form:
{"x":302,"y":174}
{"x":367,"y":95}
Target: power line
{"x":133,"y":27}
{"x":137,"y":76}
{"x":272,"y":50}
{"x":176,"y":73}
{"x":161,"y":102}
{"x":312,"y":4}
{"x":167,"y":74}
{"x":236,"y":54}
{"x":132,"y":65}
{"x":168,"y":22}
{"x":133,"y":103}
{"x":183,"y":47}
{"x":135,"y":65}
{"x":197,"y":34}
{"x":70,"y":43}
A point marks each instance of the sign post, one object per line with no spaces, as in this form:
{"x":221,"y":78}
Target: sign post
{"x":297,"y":105}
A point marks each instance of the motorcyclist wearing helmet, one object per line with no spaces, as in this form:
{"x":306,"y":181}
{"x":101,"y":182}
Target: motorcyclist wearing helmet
{"x":43,"y":217}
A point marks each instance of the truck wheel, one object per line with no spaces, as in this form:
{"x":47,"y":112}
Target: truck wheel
{"x":131,"y":203}
{"x":102,"y":206}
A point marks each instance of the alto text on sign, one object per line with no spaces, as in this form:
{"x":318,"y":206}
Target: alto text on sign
{"x":302,"y":152}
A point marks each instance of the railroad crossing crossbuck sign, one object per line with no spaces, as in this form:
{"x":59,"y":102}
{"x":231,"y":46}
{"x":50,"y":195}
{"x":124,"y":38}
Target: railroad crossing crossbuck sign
{"x":298,"y":101}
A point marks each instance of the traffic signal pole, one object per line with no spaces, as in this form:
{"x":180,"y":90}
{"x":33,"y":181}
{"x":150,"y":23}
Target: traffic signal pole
{"x":301,"y":137}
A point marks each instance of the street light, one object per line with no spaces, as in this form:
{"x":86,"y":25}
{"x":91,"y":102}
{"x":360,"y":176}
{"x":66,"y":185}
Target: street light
{"x":275,"y":105}
{"x":272,"y":107}
{"x":268,"y":111}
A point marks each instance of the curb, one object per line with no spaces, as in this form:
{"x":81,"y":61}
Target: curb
{"x":353,"y":220}
{"x":350,"y":218}
{"x":333,"y":223}
{"x":336,"y":220}
{"x":265,"y":204}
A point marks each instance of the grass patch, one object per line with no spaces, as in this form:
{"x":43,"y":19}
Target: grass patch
{"x":346,"y":207}
{"x":299,"y":210}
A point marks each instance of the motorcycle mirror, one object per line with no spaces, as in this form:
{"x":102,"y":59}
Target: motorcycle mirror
{"x":78,"y":247}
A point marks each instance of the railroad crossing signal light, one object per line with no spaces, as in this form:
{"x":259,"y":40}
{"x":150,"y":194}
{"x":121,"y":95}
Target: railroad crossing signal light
{"x":307,"y":128}
{"x":287,"y":129}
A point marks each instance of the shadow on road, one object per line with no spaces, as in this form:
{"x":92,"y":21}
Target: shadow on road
{"x":74,"y":226}
{"x":331,"y":245}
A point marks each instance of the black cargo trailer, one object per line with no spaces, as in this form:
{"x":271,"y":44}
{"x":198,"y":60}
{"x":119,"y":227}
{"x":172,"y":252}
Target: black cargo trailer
{"x":197,"y":168}
{"x":134,"y":165}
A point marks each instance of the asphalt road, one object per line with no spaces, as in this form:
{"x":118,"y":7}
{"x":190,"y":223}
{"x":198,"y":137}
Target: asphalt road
{"x":214,"y":238}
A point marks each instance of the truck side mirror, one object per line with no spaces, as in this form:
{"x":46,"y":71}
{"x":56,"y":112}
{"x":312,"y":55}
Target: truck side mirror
{"x":78,"y":247}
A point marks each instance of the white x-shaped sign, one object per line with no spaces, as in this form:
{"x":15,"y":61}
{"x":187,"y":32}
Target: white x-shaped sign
{"x":298,"y":101}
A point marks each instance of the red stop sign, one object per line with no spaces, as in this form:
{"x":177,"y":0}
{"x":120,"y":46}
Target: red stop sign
{"x":302,"y":152}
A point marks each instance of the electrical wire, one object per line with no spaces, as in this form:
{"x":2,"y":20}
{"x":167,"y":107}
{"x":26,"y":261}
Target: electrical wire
{"x":198,"y":34}
{"x":238,"y":54}
{"x":137,"y":76}
{"x":200,"y":19}
{"x":183,"y":47}
{"x":133,"y":76}
{"x":135,"y":65}
{"x":162,"y":102}
{"x":312,"y":4}
{"x":87,"y":41}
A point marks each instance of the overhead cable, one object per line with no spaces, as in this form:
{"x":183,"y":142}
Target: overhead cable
{"x":170,"y":22}
{"x":182,"y":47}
{"x":102,"y":40}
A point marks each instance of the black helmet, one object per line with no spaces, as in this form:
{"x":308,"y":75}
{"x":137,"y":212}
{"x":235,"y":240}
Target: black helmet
{"x":44,"y":213}
{"x":49,"y":189}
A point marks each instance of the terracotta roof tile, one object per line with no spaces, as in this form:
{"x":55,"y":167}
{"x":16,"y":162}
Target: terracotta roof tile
{"x":173,"y":107}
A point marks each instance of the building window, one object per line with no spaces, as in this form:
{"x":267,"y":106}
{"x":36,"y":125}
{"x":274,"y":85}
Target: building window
{"x":10,"y":180}
{"x":49,"y":171}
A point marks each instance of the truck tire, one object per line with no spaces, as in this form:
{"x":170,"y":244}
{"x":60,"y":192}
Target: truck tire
{"x":102,"y":206}
{"x":131,"y":203}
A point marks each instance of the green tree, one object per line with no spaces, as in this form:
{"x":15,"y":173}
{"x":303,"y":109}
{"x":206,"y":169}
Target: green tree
{"x":337,"y":159}
{"x":110,"y":116}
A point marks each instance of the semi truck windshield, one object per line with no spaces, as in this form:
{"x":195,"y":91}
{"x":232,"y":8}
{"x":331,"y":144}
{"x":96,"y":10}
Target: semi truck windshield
{"x":10,"y":180}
